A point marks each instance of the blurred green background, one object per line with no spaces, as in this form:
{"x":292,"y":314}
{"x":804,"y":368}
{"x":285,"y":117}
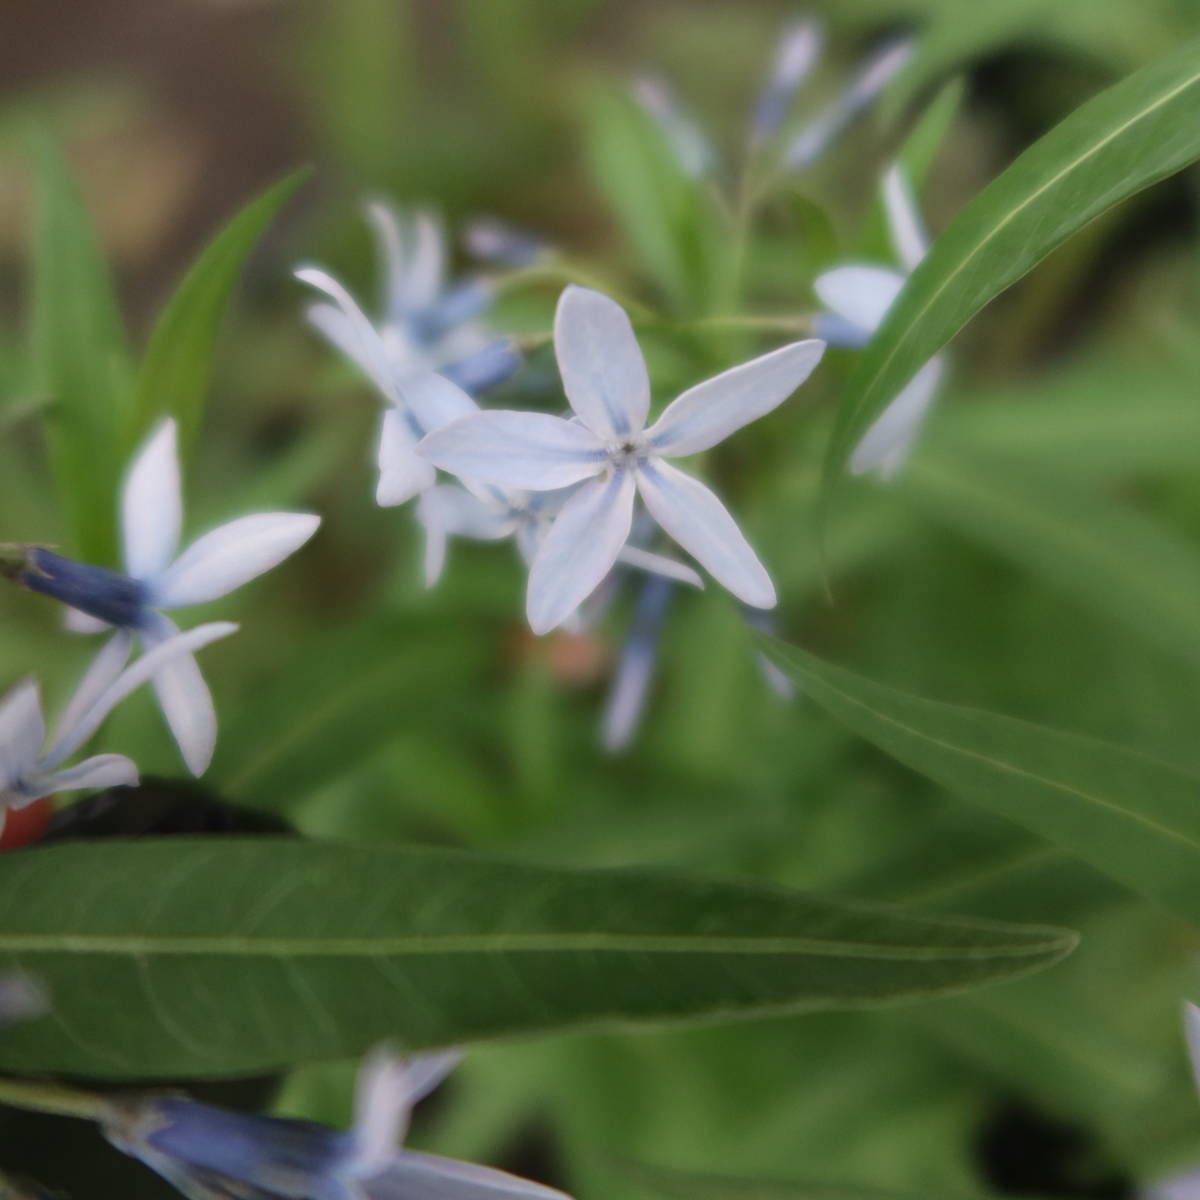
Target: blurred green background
{"x":1001,"y":571}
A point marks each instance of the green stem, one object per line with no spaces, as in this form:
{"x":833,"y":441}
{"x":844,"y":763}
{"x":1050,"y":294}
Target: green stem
{"x":50,"y":1098}
{"x":560,"y":270}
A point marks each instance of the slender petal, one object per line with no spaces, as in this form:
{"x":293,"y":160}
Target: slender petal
{"x":232,"y":555}
{"x":434,"y":400}
{"x":859,"y":293}
{"x":447,"y":509}
{"x":100,"y":771}
{"x":415,"y":1176}
{"x":486,"y":368}
{"x":686,"y":140}
{"x":635,"y":668}
{"x":516,"y":449}
{"x":1191,"y":1029}
{"x":889,"y":440}
{"x":909,"y":238}
{"x":165,"y":647}
{"x":795,"y":56}
{"x":337,"y":329}
{"x":185,"y":700}
{"x":603,"y":371}
{"x":152,"y":505}
{"x":75,"y":621}
{"x":709,"y":412}
{"x":390,"y":239}
{"x":427,"y":262}
{"x":106,"y":668}
{"x":403,"y":473}
{"x":580,"y":549}
{"x":660,"y":564}
{"x":701,"y":524}
{"x":22,"y":731}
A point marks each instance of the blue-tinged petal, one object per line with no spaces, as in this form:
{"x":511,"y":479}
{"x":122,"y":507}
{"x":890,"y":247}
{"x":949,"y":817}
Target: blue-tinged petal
{"x":837,"y":331}
{"x":487,"y":368}
{"x":701,"y":524}
{"x":415,"y":1176}
{"x":99,"y":771}
{"x":709,"y":412}
{"x":456,"y":306}
{"x":434,"y":400}
{"x":22,"y":997}
{"x":796,"y":54}
{"x":403,"y":473}
{"x":859,"y":293}
{"x":686,"y":140}
{"x":426,"y":267}
{"x":889,"y":440}
{"x":635,"y":667}
{"x":100,"y":676}
{"x":579,"y":550}
{"x":516,"y":449}
{"x":152,"y":505}
{"x":602,"y":368}
{"x":494,"y":241}
{"x":909,"y":239}
{"x":659,"y":564}
{"x":22,"y":731}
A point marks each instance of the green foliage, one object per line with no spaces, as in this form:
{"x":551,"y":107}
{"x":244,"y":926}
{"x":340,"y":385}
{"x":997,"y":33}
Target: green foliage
{"x":227,"y":957}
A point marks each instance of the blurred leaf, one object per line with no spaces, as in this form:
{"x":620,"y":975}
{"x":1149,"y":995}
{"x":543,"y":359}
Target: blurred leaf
{"x":1130,"y":816}
{"x":1121,"y":141}
{"x":1106,"y":555}
{"x":79,"y":358}
{"x":227,"y":957}
{"x":174,"y":374}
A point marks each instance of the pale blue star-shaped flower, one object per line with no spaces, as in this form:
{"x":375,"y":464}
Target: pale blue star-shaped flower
{"x":608,"y":449}
{"x":157,"y":578}
{"x":210,"y":1153}
{"x":30,"y":768}
{"x":858,"y":297}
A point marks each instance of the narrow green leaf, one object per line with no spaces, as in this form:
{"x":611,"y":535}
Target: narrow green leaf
{"x":78,"y":357}
{"x":1106,"y":555}
{"x":232,"y":956}
{"x":173,"y":378}
{"x":1126,"y":138}
{"x":1130,"y":816}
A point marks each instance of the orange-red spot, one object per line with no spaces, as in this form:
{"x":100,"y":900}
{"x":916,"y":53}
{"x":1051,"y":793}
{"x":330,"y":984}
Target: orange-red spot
{"x":25,"y":825}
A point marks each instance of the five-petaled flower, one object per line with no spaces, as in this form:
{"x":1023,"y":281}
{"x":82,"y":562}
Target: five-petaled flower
{"x":28,"y":772}
{"x":209,"y":1153}
{"x":858,"y":297}
{"x":156,"y":578}
{"x":608,"y":445}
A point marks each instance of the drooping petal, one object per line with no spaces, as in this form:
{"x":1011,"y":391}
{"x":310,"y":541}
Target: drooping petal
{"x":447,"y":509}
{"x":403,"y":473}
{"x":859,"y":293}
{"x":415,"y":1176}
{"x":337,"y":329}
{"x":100,"y":771}
{"x":631,"y":683}
{"x":909,"y":238}
{"x":660,"y":564}
{"x":389,"y":238}
{"x":796,"y":53}
{"x":232,"y":555}
{"x":152,"y":505}
{"x":889,"y":440}
{"x":516,"y":449}
{"x":186,"y":702}
{"x":434,"y":400}
{"x":603,"y":371}
{"x":709,"y":412}
{"x":100,"y":676}
{"x":165,"y":646}
{"x":701,"y":524}
{"x":426,"y":263}
{"x":22,"y":731}
{"x":580,"y":549}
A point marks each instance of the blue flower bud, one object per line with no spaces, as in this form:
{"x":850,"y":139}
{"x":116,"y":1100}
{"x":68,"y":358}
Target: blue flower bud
{"x":106,"y":595}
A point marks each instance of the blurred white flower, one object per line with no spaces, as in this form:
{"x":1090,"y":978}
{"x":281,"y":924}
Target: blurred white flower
{"x":1183,"y":1185}
{"x":608,"y":445}
{"x":858,"y":297}
{"x":157,"y":578}
{"x":28,"y":771}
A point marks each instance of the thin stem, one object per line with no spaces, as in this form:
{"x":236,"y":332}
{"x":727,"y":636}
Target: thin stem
{"x":50,"y":1098}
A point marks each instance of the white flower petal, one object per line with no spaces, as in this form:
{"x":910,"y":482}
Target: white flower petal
{"x":370,"y":353}
{"x":516,"y":449}
{"x":337,"y":329}
{"x":185,"y":700}
{"x":152,"y":505}
{"x":165,"y":645}
{"x":434,"y":400}
{"x":1191,"y":1029}
{"x":403,"y":473}
{"x":709,"y":412}
{"x":909,"y":238}
{"x":701,"y":524}
{"x":660,"y":564}
{"x":889,"y":440}
{"x":447,"y":509}
{"x":385,"y":222}
{"x":426,"y":263}
{"x":232,"y":555}
{"x":100,"y":676}
{"x":602,"y":368}
{"x":580,"y":549}
{"x":415,"y":1176}
{"x":75,"y":621}
{"x":859,"y":293}
{"x":22,"y":731}
{"x":100,"y":771}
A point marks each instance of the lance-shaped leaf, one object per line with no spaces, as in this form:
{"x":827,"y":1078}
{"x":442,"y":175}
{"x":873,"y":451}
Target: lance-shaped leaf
{"x":1128,"y":137}
{"x":221,"y":957}
{"x":1130,"y":816}
{"x":78,"y":356}
{"x":173,"y":378}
